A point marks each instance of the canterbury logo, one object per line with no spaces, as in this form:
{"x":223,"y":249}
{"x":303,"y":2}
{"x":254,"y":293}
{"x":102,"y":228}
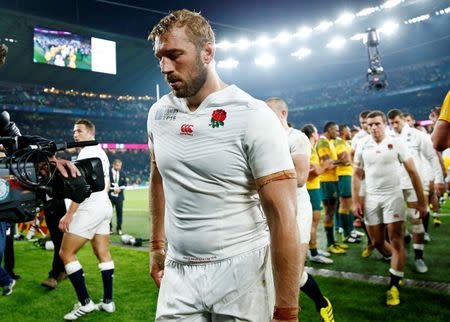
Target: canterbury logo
{"x":186,"y":129}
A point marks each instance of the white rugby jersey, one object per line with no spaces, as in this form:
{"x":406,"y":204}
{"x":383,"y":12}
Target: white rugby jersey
{"x":361,"y":136}
{"x":96,"y":152}
{"x":423,"y":154}
{"x":209,"y":160}
{"x":381,"y":164}
{"x":299,"y":144}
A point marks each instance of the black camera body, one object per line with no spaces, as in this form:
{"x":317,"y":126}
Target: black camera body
{"x":23,"y":190}
{"x":17,"y":203}
{"x":27,"y":174}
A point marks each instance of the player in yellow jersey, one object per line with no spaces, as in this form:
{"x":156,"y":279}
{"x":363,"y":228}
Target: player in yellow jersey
{"x":344,"y":173}
{"x":441,"y":133}
{"x":313,"y":186}
{"x":329,"y":183}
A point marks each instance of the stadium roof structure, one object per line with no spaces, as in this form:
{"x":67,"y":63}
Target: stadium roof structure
{"x":129,"y":22}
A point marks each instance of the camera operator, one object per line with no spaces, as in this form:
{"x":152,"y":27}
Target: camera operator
{"x":9,"y":129}
{"x":88,"y":221}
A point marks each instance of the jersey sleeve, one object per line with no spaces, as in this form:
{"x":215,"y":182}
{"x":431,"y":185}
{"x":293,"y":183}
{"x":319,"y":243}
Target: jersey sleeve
{"x":266,"y":144}
{"x":323,"y":148}
{"x":445,"y":110}
{"x":358,"y":159}
{"x":301,"y":145}
{"x":150,"y":120}
{"x":402,"y":150}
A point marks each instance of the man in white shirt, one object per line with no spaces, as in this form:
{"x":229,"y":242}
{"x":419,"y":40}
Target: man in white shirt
{"x":88,"y":221}
{"x":423,"y":154}
{"x":378,"y":160}
{"x":219,"y":157}
{"x":300,"y":149}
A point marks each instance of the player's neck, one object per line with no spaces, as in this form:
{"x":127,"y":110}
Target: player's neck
{"x":212,"y":84}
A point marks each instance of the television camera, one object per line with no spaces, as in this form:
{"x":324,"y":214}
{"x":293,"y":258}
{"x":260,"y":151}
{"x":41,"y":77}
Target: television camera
{"x":376,"y":77}
{"x":27,"y":173}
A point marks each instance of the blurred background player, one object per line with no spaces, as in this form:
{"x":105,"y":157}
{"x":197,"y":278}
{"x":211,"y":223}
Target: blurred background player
{"x":329,"y":184}
{"x":88,"y":221}
{"x":116,"y":193}
{"x":300,"y":149}
{"x":378,"y":160}
{"x":344,"y":173}
{"x":313,"y":187}
{"x":422,"y":152}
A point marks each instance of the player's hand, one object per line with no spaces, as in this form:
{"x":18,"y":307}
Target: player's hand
{"x":157,"y":259}
{"x":65,"y":167}
{"x":422,"y":209}
{"x":116,"y":190}
{"x":357,"y":209}
{"x":328,"y":164}
{"x":439,"y":188}
{"x":64,"y":223}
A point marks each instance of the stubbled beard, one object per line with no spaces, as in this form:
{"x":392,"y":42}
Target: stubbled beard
{"x":196,"y":84}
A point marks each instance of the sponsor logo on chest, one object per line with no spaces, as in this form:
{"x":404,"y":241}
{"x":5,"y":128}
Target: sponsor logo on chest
{"x":187,"y":129}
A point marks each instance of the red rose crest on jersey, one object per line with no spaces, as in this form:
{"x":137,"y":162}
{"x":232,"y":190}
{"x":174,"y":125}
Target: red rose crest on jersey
{"x":186,"y":129}
{"x":217,"y":118}
{"x":390,"y":146}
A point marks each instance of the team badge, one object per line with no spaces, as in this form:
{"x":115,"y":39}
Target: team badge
{"x":390,"y":146}
{"x":217,"y":118}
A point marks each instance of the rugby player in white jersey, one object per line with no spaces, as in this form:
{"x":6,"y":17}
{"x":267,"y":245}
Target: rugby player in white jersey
{"x":300,"y":149}
{"x":378,"y":160}
{"x":359,"y":138}
{"x":421,"y":149}
{"x":88,"y":221}
{"x":219,"y":159}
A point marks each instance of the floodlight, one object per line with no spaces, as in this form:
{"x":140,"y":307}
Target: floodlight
{"x":283,"y":37}
{"x":367,"y":11}
{"x":345,"y":19}
{"x":359,"y":36}
{"x":243,"y":44}
{"x":391,"y":4}
{"x":263,"y":41}
{"x":265,"y":60}
{"x":224,"y":44}
{"x":324,"y":25}
{"x":304,"y":32}
{"x":229,"y":63}
{"x":337,"y":42}
{"x":302,"y":53}
{"x":389,"y":28}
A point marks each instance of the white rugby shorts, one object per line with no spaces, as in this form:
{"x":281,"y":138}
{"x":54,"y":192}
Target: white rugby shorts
{"x":384,"y":208}
{"x":92,"y":219}
{"x":235,"y":289}
{"x":304,"y":215}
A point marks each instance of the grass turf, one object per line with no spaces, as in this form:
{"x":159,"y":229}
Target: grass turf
{"x":135,"y":293}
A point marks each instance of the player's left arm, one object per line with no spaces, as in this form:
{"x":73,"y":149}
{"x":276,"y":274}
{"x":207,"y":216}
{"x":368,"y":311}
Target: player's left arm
{"x":278,"y":199}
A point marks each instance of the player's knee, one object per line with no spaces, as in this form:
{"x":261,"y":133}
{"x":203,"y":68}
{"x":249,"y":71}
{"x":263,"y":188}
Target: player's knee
{"x":418,"y":228}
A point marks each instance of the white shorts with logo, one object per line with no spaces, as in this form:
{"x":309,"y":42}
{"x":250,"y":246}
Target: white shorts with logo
{"x":304,"y":215}
{"x":235,"y":289}
{"x":92,"y":219}
{"x":384,"y":208}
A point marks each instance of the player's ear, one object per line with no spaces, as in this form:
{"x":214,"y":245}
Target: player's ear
{"x":207,"y":53}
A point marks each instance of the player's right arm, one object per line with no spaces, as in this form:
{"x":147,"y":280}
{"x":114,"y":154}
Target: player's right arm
{"x":417,"y":184}
{"x":157,"y":235}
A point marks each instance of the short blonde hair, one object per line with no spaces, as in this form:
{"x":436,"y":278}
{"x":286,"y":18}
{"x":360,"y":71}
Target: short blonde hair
{"x":198,"y":29}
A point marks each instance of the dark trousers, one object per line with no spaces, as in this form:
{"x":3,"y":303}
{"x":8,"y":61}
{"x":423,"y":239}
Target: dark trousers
{"x":54,"y":211}
{"x":9,"y":250}
{"x":117,"y":203}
